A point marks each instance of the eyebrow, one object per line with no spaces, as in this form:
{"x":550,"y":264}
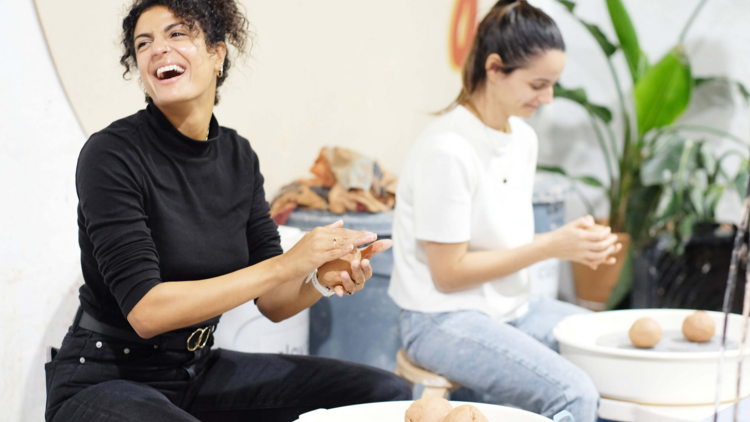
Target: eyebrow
{"x":170,"y":26}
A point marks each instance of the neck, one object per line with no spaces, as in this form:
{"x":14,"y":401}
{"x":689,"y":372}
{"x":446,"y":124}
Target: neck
{"x":488,"y":111}
{"x":191,"y":119}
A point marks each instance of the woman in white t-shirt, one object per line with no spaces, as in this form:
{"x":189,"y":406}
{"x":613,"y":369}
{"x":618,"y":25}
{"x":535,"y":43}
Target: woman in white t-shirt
{"x":464,"y":229}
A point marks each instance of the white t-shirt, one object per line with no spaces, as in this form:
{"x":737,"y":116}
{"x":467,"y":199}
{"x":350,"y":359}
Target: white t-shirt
{"x":464,"y":182}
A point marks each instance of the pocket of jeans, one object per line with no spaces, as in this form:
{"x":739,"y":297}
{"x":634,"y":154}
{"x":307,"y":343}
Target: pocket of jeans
{"x":49,"y":372}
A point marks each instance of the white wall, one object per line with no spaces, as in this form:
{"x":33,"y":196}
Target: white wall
{"x":38,"y":236}
{"x":360,"y":74}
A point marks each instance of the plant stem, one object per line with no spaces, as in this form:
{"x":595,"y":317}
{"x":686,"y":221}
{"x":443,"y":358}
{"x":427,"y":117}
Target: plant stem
{"x":691,"y":20}
{"x":582,"y":197}
{"x":605,"y":151}
{"x":682,"y":175}
{"x":616,"y":192}
{"x":621,"y":98}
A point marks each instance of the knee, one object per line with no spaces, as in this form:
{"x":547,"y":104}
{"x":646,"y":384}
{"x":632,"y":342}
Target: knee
{"x":582,"y":398}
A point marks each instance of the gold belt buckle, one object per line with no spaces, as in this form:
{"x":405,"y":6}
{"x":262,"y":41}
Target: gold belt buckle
{"x":201,"y":343}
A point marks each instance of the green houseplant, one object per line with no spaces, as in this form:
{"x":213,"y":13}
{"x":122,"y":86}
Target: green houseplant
{"x":663,"y":177}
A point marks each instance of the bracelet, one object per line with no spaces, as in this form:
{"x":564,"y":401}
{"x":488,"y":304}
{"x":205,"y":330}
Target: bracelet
{"x":325,"y":291}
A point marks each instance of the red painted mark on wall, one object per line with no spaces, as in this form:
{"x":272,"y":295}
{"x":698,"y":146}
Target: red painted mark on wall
{"x":462,"y":30}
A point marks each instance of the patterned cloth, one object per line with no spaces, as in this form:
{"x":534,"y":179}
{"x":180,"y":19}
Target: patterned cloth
{"x":345,"y":181}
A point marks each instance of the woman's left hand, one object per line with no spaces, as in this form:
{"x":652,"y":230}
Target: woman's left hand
{"x":350,"y":282}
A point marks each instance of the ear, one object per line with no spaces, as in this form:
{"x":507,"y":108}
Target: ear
{"x":493,"y":67}
{"x":219,"y":51}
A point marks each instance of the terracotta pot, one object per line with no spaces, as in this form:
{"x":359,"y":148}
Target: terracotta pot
{"x":593,"y":287}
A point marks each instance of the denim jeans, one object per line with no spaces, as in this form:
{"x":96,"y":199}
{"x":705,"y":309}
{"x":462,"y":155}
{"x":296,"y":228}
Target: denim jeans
{"x":514,"y":363}
{"x":99,"y":378}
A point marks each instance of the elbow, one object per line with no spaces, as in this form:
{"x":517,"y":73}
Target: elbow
{"x":275,"y":318}
{"x":271,"y":314}
{"x":143,"y":325}
{"x":443,"y":284}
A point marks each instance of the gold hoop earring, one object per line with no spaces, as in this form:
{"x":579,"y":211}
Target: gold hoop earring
{"x":221,"y":73}
{"x":146,"y":94}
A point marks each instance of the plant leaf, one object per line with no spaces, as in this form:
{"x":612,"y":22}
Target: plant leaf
{"x":624,"y":283}
{"x":551,"y":169}
{"x":661,"y":167}
{"x":708,"y":159}
{"x":712,"y":198}
{"x":686,"y":229}
{"x":607,"y":47}
{"x":667,"y":207}
{"x":579,"y":95}
{"x":637,"y":60}
{"x":591,"y":181}
{"x":711,"y":79}
{"x":568,"y":5}
{"x":663,"y":93}
{"x":696,"y":193}
{"x":741,"y":179}
{"x":601,"y":112}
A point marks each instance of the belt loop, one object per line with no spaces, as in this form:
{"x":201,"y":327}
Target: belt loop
{"x":77,"y":318}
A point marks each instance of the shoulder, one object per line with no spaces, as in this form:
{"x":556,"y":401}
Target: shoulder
{"x":238,"y":144}
{"x":448,"y":135}
{"x":522,"y":129}
{"x":116,"y":141}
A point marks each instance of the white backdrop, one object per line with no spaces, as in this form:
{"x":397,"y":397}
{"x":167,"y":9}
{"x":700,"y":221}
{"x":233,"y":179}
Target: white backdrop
{"x":359,"y":74}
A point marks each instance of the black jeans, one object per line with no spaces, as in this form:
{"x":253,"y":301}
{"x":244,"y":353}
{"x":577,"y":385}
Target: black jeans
{"x":99,"y":378}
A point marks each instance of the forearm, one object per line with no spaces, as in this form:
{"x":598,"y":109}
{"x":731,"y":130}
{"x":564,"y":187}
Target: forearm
{"x":173,"y":305}
{"x":288,"y":300}
{"x":475,"y":268}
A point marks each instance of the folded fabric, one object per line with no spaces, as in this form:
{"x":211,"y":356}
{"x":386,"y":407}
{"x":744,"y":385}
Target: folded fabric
{"x":344,"y":181}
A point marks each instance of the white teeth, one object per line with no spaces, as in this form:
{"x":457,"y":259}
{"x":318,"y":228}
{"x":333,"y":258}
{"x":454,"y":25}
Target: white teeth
{"x":160,"y":71}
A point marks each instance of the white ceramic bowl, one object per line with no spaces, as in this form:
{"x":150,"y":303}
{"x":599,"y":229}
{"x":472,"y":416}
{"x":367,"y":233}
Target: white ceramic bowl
{"x":394,"y":412}
{"x":652,"y":376}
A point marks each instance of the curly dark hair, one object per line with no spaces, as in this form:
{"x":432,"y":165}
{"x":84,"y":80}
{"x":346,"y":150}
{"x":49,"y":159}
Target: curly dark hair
{"x":220,"y":20}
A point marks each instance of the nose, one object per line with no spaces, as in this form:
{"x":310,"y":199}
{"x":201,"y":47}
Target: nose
{"x":159,"y":46}
{"x":547,"y":95}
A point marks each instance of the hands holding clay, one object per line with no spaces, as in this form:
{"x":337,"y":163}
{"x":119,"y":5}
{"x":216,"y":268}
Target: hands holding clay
{"x":583,"y":241}
{"x":333,"y":250}
{"x":349,"y":273}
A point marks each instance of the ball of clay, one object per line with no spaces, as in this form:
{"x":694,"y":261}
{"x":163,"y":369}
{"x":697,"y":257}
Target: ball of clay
{"x":330,"y":273}
{"x":428,"y":409}
{"x":645,"y":333}
{"x":699,"y":327}
{"x":465,"y":413}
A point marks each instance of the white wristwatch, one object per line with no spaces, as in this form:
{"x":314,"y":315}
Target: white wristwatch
{"x":325,"y":291}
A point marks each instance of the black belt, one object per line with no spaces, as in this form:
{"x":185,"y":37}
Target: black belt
{"x":185,"y":340}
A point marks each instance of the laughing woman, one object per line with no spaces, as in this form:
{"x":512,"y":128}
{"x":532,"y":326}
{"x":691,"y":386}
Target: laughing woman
{"x":174,"y":230}
{"x":464,"y":229}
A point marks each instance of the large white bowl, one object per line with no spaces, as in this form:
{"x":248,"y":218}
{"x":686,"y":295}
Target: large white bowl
{"x":648,"y":376}
{"x":394,"y":412}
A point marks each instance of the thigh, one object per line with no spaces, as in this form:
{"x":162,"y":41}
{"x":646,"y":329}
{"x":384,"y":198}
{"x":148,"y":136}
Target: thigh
{"x":544,"y":314}
{"x":495,"y":358}
{"x":266,"y":387}
{"x":120,"y":401}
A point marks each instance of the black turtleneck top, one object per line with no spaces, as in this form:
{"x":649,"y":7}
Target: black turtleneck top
{"x":156,"y":206}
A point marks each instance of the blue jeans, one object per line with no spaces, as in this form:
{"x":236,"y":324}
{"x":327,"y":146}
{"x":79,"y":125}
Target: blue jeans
{"x":515,"y":363}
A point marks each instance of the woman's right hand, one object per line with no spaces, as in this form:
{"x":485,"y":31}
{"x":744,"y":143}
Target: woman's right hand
{"x":583,"y":241}
{"x":321,"y":245}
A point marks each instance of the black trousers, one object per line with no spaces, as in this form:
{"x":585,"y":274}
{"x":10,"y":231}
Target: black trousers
{"x":99,"y":378}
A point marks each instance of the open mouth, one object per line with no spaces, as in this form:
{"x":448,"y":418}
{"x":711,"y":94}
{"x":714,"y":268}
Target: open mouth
{"x":169,"y":72}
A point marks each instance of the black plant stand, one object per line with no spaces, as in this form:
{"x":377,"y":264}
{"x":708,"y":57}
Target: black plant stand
{"x":696,"y":280}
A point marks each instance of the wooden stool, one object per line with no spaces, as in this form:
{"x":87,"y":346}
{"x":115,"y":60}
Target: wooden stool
{"x":434,"y":385}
